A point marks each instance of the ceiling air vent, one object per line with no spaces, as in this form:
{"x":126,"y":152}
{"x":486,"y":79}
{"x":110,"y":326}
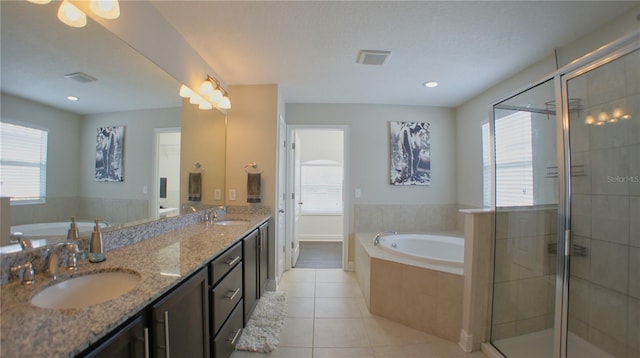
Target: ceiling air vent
{"x":80,"y":77}
{"x":373,"y":57}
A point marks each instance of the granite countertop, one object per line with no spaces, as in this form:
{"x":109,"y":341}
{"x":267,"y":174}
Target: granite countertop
{"x":162,"y":262}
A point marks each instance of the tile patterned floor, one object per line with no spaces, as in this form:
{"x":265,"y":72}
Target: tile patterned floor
{"x":327,"y":318}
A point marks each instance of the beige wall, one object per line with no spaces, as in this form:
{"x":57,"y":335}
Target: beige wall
{"x":252,"y":124}
{"x":203,"y":141}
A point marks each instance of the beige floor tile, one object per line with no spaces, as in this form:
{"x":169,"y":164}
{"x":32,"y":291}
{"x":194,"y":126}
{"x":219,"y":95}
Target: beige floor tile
{"x":341,"y":307}
{"x":299,"y":275}
{"x":298,"y":289}
{"x":343,"y":352}
{"x":384,"y":332}
{"x":339,"y":333}
{"x":336,"y":275}
{"x":300,"y":307}
{"x":297,"y":332}
{"x":337,"y":289}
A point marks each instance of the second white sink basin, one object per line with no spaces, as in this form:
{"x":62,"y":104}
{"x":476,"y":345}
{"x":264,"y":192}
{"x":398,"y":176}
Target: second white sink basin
{"x":228,"y":222}
{"x":86,"y":290}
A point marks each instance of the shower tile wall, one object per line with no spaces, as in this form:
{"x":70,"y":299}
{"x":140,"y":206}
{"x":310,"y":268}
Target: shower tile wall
{"x":524,"y":271}
{"x":605,"y":285}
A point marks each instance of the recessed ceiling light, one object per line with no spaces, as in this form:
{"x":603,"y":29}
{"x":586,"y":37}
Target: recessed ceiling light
{"x":430,"y":84}
{"x":73,"y":98}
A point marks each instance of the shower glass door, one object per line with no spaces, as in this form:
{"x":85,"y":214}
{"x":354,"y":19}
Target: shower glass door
{"x":604,"y":281}
{"x":526,"y":201}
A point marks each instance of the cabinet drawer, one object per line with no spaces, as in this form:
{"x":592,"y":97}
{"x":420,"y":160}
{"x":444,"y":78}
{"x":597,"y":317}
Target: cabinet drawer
{"x":224,"y":343}
{"x":224,"y":263}
{"x":225,"y":296}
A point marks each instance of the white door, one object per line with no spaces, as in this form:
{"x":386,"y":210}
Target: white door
{"x":280,"y":251}
{"x":297,"y":203}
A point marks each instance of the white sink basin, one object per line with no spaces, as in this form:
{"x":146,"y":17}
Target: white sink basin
{"x":86,"y":290}
{"x":228,"y":222}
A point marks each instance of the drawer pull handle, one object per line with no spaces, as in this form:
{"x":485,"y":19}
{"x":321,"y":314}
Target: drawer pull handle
{"x":233,"y":262}
{"x":235,"y":337}
{"x":232,"y":294}
{"x":146,"y":343}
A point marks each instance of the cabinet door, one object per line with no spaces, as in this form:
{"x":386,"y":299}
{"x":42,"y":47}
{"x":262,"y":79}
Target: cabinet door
{"x":130,"y":341}
{"x":181,"y":320}
{"x":249,"y":260}
{"x":263,"y":257}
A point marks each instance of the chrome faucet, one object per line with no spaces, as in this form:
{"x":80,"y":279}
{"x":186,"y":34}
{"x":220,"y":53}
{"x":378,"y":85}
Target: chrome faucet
{"x":19,"y":238}
{"x":376,"y":241}
{"x":188,"y":208}
{"x":53,"y":258}
{"x":26,"y":272}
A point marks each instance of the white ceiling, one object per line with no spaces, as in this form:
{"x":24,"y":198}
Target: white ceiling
{"x":308,"y":47}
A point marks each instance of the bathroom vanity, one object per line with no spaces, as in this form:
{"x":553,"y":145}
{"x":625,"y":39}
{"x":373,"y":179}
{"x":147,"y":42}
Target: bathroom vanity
{"x":189,"y":303}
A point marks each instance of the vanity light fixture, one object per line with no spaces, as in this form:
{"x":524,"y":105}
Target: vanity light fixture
{"x":72,"y":16}
{"x":210,"y":94}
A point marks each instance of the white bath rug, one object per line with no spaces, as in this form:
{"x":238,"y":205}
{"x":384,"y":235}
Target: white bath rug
{"x":262,"y":333}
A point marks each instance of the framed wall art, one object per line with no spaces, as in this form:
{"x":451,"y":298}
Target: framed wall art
{"x":110,"y":154}
{"x":410,"y":153}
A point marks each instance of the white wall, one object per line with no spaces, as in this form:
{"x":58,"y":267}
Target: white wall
{"x":138,"y":147}
{"x":369,"y":149}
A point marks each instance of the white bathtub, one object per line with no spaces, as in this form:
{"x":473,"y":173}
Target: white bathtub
{"x":433,"y":249}
{"x":53,"y":228}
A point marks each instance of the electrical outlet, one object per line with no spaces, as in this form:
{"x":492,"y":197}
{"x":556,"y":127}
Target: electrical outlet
{"x":145,"y":189}
{"x":217,"y":194}
{"x":358,"y":193}
{"x":232,"y":194}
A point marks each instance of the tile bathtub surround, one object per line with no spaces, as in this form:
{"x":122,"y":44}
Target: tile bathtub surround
{"x":407,"y":218}
{"x":327,"y":317}
{"x":162,"y":262}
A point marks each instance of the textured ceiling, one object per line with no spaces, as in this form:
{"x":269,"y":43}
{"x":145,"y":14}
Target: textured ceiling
{"x":309,"y":48}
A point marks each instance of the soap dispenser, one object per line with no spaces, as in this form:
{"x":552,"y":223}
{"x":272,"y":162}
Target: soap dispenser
{"x":73,"y":234}
{"x":96,"y":249}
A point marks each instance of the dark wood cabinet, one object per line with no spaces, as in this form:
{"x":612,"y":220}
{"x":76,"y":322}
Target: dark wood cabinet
{"x":250,"y":262}
{"x":181,"y":320}
{"x":225,"y":341}
{"x":203,"y":316}
{"x":129,"y":341}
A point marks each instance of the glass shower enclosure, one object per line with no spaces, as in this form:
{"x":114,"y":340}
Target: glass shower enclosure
{"x":566,"y":169}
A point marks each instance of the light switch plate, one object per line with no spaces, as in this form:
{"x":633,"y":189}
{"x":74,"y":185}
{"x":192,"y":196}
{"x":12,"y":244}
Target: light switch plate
{"x":217,"y":194}
{"x":232,"y":194}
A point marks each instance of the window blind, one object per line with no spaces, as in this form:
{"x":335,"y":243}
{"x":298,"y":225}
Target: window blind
{"x":514,"y":160}
{"x":23,"y":162}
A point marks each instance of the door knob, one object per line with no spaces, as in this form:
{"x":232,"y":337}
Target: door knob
{"x":281,"y":211}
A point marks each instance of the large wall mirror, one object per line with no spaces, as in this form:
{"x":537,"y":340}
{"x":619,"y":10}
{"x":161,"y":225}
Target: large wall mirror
{"x":119,"y":91}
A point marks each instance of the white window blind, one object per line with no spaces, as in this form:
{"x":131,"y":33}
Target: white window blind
{"x":514,"y":160}
{"x":486,"y":166}
{"x":321,"y":187}
{"x":23,"y":163}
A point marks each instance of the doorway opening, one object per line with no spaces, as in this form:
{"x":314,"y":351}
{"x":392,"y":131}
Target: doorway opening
{"x":165,"y":194}
{"x":318,"y":176}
